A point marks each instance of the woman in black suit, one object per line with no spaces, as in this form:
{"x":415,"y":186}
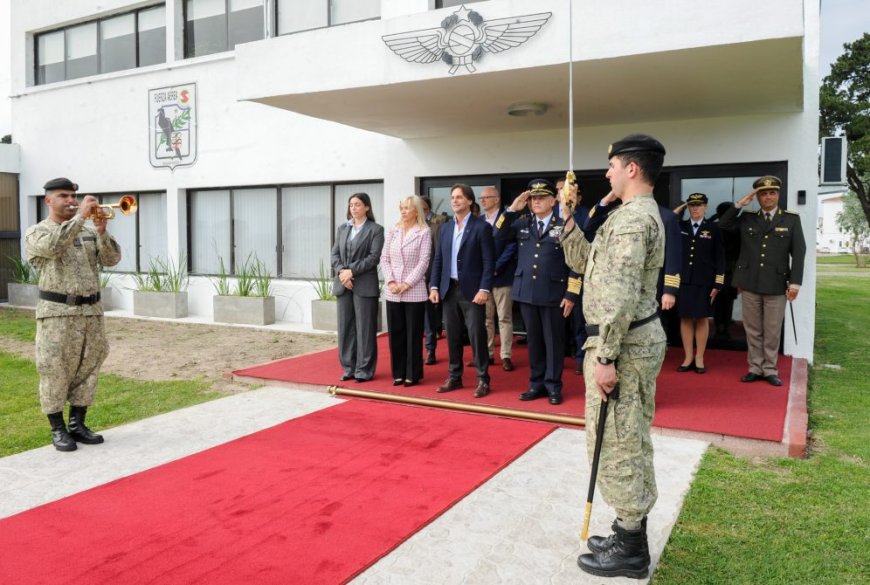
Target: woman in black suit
{"x":701,"y":277}
{"x":355,"y":257}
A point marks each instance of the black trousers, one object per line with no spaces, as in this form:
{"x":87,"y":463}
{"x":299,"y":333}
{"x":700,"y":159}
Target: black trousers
{"x":405,"y":325}
{"x":456,"y":310}
{"x":545,"y":327}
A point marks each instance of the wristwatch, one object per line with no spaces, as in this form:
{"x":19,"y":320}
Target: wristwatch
{"x":604,"y":361}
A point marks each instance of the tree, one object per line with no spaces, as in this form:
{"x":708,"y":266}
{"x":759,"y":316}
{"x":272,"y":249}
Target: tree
{"x":844,"y":104}
{"x":852,"y":223}
{"x":7,"y":139}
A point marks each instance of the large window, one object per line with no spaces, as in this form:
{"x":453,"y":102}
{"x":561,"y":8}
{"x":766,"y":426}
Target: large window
{"x":125,"y":41}
{"x":213,"y":26}
{"x":299,"y":15}
{"x":290,"y":228}
{"x":449,"y":3}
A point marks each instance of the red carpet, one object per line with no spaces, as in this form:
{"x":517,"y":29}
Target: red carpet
{"x":716,"y":402}
{"x":314,"y":500}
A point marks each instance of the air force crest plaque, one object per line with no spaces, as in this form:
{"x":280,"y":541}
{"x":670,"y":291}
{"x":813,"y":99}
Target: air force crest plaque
{"x":172,"y":126}
{"x":463,"y":37}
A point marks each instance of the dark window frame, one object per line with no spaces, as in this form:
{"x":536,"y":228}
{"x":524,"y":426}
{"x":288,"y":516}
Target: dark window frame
{"x":187,"y":48}
{"x":279,"y":243}
{"x":98,"y":21}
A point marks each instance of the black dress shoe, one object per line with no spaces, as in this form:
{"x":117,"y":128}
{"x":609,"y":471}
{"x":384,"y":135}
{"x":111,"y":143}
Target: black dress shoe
{"x":701,"y":370}
{"x":398,"y":382}
{"x":410,"y":383}
{"x":751,"y":377}
{"x":430,"y":358}
{"x":686,"y":368}
{"x":482,"y":389}
{"x":449,"y":385}
{"x":361,"y":380}
{"x":346,"y":377}
{"x":555,"y":399}
{"x":773,"y":380}
{"x":532,"y":394}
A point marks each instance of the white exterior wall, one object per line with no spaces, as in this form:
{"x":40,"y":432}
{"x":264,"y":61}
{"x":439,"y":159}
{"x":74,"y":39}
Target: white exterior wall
{"x":95,"y":130}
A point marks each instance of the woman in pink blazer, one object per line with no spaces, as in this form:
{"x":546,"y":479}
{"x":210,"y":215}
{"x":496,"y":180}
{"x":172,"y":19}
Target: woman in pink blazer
{"x":404,"y":260}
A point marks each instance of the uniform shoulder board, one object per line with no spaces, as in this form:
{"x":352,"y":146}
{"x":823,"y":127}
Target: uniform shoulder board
{"x":592,"y":211}
{"x":791,"y":212}
{"x":500,"y":221}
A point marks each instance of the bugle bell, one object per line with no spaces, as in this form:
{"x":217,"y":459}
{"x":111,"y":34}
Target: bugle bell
{"x":127,"y":204}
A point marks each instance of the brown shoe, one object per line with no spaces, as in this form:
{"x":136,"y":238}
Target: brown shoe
{"x":507,"y":365}
{"x":482,"y":389}
{"x":449,"y":385}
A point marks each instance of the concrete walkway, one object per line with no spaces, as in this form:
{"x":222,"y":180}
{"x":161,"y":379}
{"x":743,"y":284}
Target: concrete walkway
{"x":520,"y":527}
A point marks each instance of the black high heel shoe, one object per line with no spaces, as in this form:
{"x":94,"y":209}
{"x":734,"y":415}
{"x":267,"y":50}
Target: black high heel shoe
{"x":686,"y":368}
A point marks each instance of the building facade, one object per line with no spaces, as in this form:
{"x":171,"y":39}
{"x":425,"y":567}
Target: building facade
{"x":243,"y":126}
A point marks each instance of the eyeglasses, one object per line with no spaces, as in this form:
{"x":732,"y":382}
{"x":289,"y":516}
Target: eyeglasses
{"x":488,"y":197}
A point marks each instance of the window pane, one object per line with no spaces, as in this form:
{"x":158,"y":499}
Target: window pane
{"x":296,"y":15}
{"x":449,"y":3}
{"x":440,"y":198}
{"x":9,"y":202}
{"x":152,"y":228}
{"x":209,"y":230}
{"x":256,"y":229}
{"x":123,"y":229}
{"x":375,"y":192}
{"x":342,"y":11}
{"x":117,"y":43}
{"x":81,"y":50}
{"x":719,"y":189}
{"x":49,"y":49}
{"x":152,"y":36}
{"x":206,"y":28}
{"x":304,"y":213}
{"x":246,"y":21}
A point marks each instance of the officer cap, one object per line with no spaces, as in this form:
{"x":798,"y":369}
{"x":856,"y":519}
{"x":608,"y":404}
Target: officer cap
{"x":635,"y":143}
{"x":542,"y":188}
{"x":60,"y":183}
{"x":767,"y":182}
{"x":696,"y":199}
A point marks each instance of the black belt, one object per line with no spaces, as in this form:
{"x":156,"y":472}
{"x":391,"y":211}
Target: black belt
{"x":592,"y":330}
{"x":71,"y":300}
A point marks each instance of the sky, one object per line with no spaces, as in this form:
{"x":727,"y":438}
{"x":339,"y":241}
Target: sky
{"x":843,"y":21}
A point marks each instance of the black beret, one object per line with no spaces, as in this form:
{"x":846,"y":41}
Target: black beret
{"x":541,"y":188}
{"x":767,"y":182}
{"x":696,"y":199}
{"x":635,"y":143}
{"x":60,"y":183}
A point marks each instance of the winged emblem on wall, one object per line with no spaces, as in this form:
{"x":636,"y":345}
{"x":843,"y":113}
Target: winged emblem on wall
{"x":463,"y":37}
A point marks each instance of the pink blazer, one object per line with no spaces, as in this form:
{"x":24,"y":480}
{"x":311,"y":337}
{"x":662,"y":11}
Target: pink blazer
{"x":405,"y":258}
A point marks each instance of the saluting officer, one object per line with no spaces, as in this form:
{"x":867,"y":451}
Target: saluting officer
{"x":769,"y":271}
{"x":543,"y":285}
{"x":70,"y":341}
{"x":702,"y":276}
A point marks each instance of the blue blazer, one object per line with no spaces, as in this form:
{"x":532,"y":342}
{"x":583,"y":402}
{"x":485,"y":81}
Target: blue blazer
{"x":475,"y":262}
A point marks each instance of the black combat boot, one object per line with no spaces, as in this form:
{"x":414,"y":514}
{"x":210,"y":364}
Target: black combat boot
{"x":59,"y":436}
{"x":600,"y":543}
{"x":628,"y":557}
{"x":77,"y":428}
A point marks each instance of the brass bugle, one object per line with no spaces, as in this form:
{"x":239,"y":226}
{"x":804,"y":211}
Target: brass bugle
{"x":127,"y":204}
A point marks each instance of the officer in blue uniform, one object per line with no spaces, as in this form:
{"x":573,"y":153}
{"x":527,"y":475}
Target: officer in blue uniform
{"x":544,"y":287}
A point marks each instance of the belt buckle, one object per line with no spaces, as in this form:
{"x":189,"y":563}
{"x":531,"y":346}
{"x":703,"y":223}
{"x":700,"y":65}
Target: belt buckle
{"x":71,"y":300}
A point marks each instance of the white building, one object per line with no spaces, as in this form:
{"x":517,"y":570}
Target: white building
{"x":298,"y":104}
{"x":829,"y":238}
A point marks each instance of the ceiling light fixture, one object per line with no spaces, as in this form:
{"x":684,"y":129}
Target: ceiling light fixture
{"x":527,"y":109}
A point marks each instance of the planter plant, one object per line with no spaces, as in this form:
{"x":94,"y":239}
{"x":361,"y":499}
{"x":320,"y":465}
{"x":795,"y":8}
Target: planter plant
{"x":24,"y":292}
{"x":251,"y":301}
{"x":162,"y":291}
{"x":324,"y":309}
{"x":105,"y":291}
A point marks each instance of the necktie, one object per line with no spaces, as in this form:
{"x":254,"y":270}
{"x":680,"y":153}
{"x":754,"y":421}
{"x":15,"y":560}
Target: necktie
{"x":540,"y":228}
{"x":694,"y":228}
{"x":767,"y":217}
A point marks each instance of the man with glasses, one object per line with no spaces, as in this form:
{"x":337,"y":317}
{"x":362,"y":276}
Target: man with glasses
{"x":769,"y":272}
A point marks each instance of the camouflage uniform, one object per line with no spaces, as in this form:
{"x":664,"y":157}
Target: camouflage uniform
{"x":621,"y":268}
{"x":70,"y":341}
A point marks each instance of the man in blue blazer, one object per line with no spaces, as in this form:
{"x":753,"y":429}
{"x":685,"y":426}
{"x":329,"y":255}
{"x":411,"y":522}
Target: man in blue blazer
{"x":462,"y":280}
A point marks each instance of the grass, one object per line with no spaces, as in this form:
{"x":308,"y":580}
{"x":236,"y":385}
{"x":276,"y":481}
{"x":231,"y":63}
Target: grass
{"x":786,"y":520}
{"x":119,"y":400}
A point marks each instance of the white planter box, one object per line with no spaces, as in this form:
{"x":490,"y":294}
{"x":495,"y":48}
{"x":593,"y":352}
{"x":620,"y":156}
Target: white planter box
{"x":166,"y":305}
{"x":23,"y":295}
{"x":324,"y":315}
{"x":106,"y":298}
{"x":244,"y":310}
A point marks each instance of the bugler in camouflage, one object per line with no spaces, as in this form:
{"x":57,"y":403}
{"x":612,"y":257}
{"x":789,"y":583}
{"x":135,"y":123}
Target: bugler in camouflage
{"x":621,"y":268}
{"x":70,"y":341}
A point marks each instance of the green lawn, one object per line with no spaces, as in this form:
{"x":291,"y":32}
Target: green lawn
{"x":785,"y":520}
{"x":120,"y":400}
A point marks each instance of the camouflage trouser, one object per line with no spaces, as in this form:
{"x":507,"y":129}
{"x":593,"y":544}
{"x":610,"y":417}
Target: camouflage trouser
{"x":626,"y":477}
{"x":69,"y":352}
